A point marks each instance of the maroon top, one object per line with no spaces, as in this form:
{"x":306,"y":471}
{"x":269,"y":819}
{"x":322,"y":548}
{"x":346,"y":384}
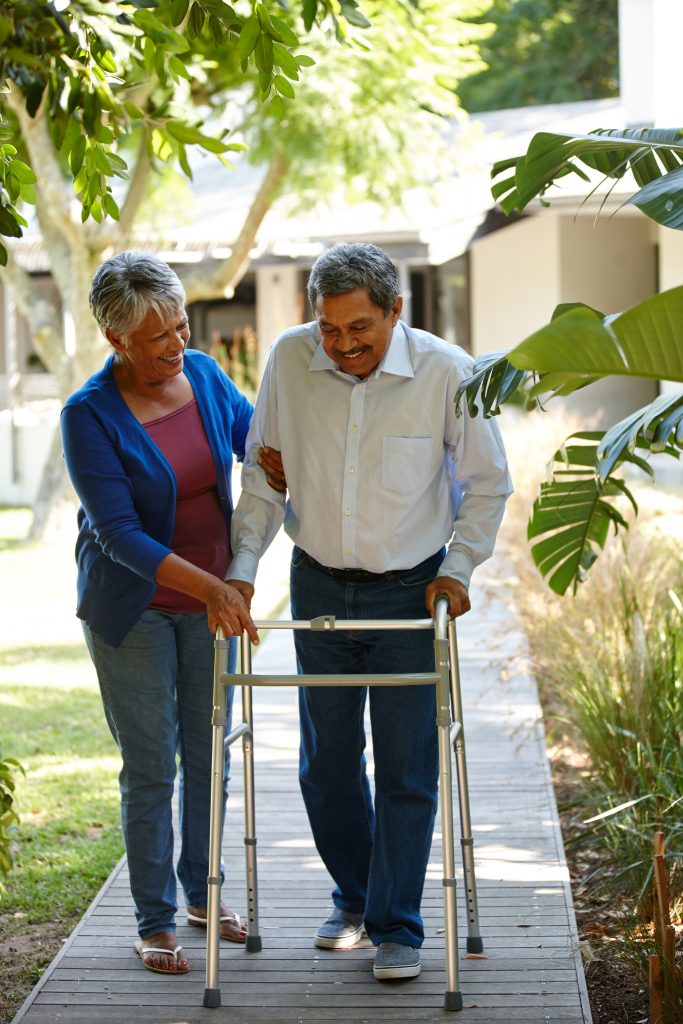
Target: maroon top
{"x":200,"y":534}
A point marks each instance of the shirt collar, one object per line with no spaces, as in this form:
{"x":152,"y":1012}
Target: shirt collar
{"x":396,"y":359}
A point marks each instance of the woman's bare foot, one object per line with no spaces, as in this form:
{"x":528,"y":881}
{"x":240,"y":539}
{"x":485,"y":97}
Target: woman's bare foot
{"x":233,"y":927}
{"x":152,"y":952}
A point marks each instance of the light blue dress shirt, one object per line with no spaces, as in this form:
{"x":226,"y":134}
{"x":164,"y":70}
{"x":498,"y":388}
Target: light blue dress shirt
{"x":381,"y":473}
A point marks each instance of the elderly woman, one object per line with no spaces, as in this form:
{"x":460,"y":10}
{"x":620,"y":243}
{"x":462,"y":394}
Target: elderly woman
{"x":148,"y":442}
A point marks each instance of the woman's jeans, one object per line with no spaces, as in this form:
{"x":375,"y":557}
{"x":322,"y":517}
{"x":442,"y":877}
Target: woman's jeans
{"x":157,"y":691}
{"x":377,"y":856}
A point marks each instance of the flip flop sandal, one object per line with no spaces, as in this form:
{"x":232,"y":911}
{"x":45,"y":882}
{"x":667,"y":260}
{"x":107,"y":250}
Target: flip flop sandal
{"x":234,"y":919}
{"x":142,"y":952}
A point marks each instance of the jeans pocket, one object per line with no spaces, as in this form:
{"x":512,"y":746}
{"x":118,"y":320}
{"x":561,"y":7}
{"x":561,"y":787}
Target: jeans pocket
{"x":420,"y":575}
{"x":299,"y":556}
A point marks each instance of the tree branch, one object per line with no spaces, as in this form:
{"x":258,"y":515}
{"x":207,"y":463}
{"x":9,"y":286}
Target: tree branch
{"x":41,"y":315}
{"x":52,"y":190}
{"x":135,"y":192}
{"x":221,"y":281}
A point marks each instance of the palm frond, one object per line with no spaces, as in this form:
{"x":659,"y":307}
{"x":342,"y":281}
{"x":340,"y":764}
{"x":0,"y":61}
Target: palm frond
{"x":494,"y":381}
{"x":652,"y":155}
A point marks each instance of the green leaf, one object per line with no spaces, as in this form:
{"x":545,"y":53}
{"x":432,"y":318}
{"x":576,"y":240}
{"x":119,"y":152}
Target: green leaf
{"x":278,"y":107}
{"x":106,"y":61}
{"x":551,"y":156}
{"x":283,"y":86}
{"x":263,"y":17}
{"x":3,"y":255}
{"x":304,"y":61}
{"x":178,"y":11}
{"x":135,"y":112}
{"x":249,"y":35}
{"x":22,"y":172}
{"x":350,"y":11}
{"x":653,"y":427}
{"x":264,"y":54}
{"x":187,"y":134}
{"x":9,"y":223}
{"x":216,"y":30}
{"x":158,"y":33}
{"x":493,"y":381}
{"x":286,"y":61}
{"x":28,"y":194}
{"x":662,"y":199}
{"x":572,"y":515}
{"x":177,"y":66}
{"x":110,"y":206}
{"x":579,"y":345}
{"x":195,"y":22}
{"x":310,"y":9}
{"x":285,"y":33}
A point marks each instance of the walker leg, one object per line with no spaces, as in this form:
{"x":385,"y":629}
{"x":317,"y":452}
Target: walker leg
{"x":254,"y":944}
{"x":212,"y":992}
{"x":453,"y":997}
{"x":474,"y":940}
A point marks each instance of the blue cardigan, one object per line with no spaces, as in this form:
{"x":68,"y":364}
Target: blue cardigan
{"x":128,"y":489}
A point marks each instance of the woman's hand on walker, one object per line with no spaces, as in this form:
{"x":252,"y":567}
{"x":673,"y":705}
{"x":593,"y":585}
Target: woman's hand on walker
{"x":445,"y":586}
{"x":226,"y":607}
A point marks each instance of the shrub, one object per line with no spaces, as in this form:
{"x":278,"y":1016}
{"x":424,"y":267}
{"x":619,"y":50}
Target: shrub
{"x":9,"y":819}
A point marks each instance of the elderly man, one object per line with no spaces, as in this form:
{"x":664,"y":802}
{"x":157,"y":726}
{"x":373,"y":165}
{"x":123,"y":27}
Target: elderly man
{"x":382,"y":474}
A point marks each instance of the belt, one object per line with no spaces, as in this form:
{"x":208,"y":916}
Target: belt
{"x":359,"y":575}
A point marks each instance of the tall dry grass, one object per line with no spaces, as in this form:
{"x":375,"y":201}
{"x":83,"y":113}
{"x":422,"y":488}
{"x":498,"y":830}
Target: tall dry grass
{"x":609,"y":662}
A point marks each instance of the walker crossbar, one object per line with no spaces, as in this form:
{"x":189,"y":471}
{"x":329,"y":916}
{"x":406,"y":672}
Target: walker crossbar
{"x":445,"y":678}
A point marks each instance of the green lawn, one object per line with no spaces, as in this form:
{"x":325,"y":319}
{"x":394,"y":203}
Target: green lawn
{"x":51,"y":721}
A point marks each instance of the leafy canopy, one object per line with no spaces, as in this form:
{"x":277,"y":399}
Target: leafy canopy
{"x":542,"y":51}
{"x":102,"y":69}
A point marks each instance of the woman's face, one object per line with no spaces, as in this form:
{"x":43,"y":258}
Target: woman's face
{"x":154,"y":351}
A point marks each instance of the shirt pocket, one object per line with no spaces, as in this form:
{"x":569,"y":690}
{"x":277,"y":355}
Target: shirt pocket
{"x":405,"y":463}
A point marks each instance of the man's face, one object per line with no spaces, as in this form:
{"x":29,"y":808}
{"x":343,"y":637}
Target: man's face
{"x":355,"y":332}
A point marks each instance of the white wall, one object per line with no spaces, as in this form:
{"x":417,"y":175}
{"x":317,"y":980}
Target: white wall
{"x":670,"y":257}
{"x":609,"y":264}
{"x":278,"y":305}
{"x":24,"y":444}
{"x":650,"y":33}
{"x":514,"y":282}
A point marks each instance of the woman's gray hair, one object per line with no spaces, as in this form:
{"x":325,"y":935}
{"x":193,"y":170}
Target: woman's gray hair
{"x":128,"y":285}
{"x":351,"y":265}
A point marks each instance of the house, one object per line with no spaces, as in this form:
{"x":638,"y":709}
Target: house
{"x":468,"y":273}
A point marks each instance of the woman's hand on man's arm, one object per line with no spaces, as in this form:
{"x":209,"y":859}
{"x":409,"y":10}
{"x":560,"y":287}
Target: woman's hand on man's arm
{"x":270,"y":461}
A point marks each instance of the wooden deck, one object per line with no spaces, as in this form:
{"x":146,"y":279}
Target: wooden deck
{"x":532,"y":971}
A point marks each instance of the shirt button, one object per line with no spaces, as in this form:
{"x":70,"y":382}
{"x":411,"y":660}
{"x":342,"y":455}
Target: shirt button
{"x":354,"y":428}
{"x":348,"y":551}
{"x":347,"y":511}
{"x":350,"y":469}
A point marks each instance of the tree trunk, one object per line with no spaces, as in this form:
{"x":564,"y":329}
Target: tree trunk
{"x":52,"y":487}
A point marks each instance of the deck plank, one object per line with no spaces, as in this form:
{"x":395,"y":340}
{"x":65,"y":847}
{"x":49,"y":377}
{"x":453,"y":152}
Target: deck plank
{"x":532,"y":971}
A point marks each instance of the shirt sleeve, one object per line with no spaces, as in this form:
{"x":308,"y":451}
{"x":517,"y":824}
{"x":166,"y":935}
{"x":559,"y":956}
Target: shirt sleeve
{"x":260,"y":510}
{"x":478,"y":471}
{"x":105,"y":491}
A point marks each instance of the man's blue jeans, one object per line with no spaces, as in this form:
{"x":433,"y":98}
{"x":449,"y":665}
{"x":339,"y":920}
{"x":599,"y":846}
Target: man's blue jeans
{"x":377,"y":856}
{"x":157,"y":691}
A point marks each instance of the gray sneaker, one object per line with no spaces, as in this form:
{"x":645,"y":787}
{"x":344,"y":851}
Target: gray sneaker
{"x":341,"y":930}
{"x":396,"y":961}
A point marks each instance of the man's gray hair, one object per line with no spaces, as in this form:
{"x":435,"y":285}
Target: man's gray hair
{"x":351,"y":265}
{"x":127,"y":286}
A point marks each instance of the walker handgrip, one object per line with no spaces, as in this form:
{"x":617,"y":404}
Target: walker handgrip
{"x":441,"y":614}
